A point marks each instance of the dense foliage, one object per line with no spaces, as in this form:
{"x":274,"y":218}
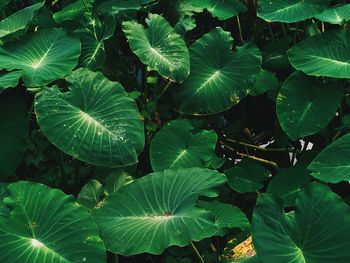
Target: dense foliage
{"x":174,"y":131}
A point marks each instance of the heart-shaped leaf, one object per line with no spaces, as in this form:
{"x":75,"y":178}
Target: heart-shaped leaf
{"x":336,"y":15}
{"x":218,"y":75}
{"x":323,"y":55}
{"x":290,"y":11}
{"x":46,"y":226}
{"x":176,"y":146}
{"x":222,"y":9}
{"x":18,"y":20}
{"x":44,"y":56}
{"x":333,"y":163}
{"x":317,"y":233}
{"x":91,"y":194}
{"x":158,"y":211}
{"x":159,"y":47}
{"x":95,"y":121}
{"x":305,"y":106}
{"x":13,"y":132}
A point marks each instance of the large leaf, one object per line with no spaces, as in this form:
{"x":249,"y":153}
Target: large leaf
{"x":9,"y":79}
{"x":218,"y":75}
{"x":319,"y":232}
{"x":323,"y":55}
{"x":176,"y":146}
{"x":18,"y":20}
{"x":73,"y":12}
{"x":46,"y":226}
{"x":305,"y":106}
{"x":44,"y":56}
{"x":95,"y":121}
{"x":13,"y":132}
{"x":336,"y":15}
{"x":158,"y":211}
{"x":290,"y":11}
{"x":333,"y":163}
{"x":222,"y":9}
{"x":159,"y":47}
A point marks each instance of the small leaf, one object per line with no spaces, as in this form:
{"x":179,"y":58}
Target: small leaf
{"x":91,"y":194}
{"x":222,"y":9}
{"x":176,"y":146}
{"x":159,"y":47}
{"x":246,"y":176}
{"x":9,"y":79}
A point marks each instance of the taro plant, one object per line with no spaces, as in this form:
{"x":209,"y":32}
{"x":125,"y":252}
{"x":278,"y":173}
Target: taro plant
{"x":174,"y":131}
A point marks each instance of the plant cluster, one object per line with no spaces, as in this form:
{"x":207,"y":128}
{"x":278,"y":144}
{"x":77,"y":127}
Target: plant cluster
{"x":174,"y":131}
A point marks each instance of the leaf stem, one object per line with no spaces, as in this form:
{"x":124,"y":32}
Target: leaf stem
{"x":197,"y":253}
{"x":86,"y":7}
{"x":322,"y":27}
{"x":239,"y":28}
{"x":265,"y":149}
{"x":164,"y":90}
{"x":258,"y":159}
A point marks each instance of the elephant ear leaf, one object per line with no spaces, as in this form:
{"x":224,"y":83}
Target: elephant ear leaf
{"x":47,"y":227}
{"x":176,"y":146}
{"x":161,"y":211}
{"x":43,"y":56}
{"x":332,"y":164}
{"x":222,"y":9}
{"x":290,"y":11}
{"x":95,"y":121}
{"x":18,"y":20}
{"x":338,"y":15}
{"x":305,"y":106}
{"x":218,"y":76}
{"x":316,"y":232}
{"x":323,"y":55}
{"x":159,"y":47}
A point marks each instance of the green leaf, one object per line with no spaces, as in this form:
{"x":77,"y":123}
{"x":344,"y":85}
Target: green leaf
{"x":73,"y":12}
{"x":3,"y":3}
{"x":333,"y":163}
{"x":91,"y":194}
{"x":95,"y":121}
{"x":9,"y":79}
{"x":338,"y":15}
{"x":44,"y":56}
{"x":290,"y":11}
{"x":226,"y":216}
{"x":323,"y":55}
{"x":222,"y":9}
{"x":319,"y":232}
{"x":177,"y":146}
{"x":47,"y":226}
{"x":117,"y":180}
{"x":275,"y":54}
{"x":159,"y":47}
{"x":13,"y":132}
{"x":158,"y":211}
{"x":4,"y":211}
{"x":288,"y":183}
{"x":119,"y":6}
{"x":218,"y":75}
{"x":246,"y":176}
{"x":18,"y":20}
{"x":263,"y":82}
{"x":305,"y":106}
